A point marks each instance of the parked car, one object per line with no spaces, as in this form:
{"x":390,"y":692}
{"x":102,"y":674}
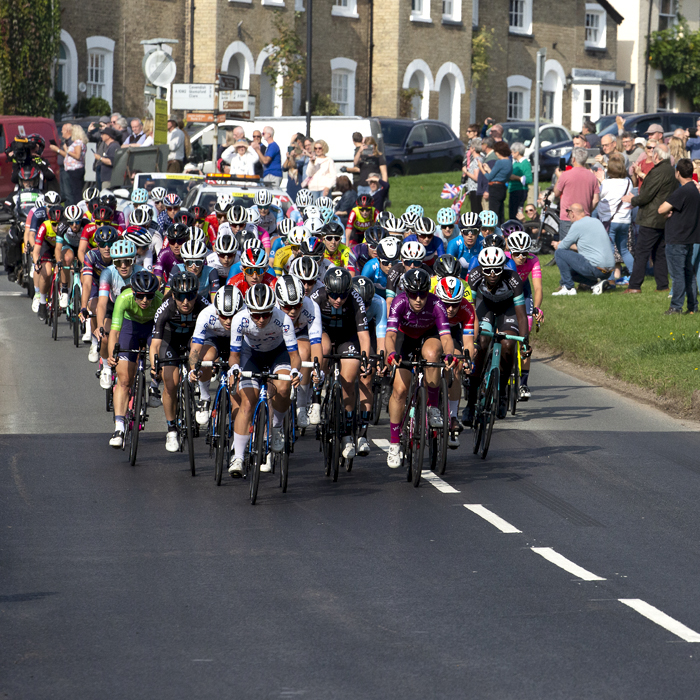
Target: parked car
{"x":639,"y":123}
{"x":524,"y":132}
{"x":420,"y":146}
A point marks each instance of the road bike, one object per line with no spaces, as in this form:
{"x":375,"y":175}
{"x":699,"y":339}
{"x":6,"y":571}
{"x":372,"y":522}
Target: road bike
{"x":74,"y":305}
{"x":513,"y":387}
{"x":220,"y":429}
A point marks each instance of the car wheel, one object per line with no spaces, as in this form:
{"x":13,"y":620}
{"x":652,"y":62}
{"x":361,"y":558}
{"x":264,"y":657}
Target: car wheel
{"x":395,"y":171}
{"x":456,"y":166}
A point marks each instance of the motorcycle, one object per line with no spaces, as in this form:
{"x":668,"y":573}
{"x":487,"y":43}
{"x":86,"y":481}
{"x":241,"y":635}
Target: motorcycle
{"x":545,"y":230}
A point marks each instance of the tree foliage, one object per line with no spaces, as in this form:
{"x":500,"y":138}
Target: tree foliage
{"x":91,"y":107}
{"x":323,"y":106}
{"x":288,"y":58}
{"x":406,"y":98}
{"x":30,"y":33}
{"x":676,"y":53}
{"x":481,"y":43}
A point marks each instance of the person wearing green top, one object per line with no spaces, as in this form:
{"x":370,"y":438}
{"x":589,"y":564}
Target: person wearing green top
{"x":520,"y":180}
{"x":132,"y":324}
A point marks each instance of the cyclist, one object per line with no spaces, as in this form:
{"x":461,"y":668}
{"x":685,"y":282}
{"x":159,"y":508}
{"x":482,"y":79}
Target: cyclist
{"x":247,"y":242}
{"x":284,"y":228}
{"x":157,"y":197}
{"x":424,"y":229}
{"x":493,"y":240}
{"x":303,"y":200}
{"x":253,"y":262}
{"x":223,"y":256}
{"x":376,"y":325}
{"x":393,"y":226}
{"x":364,"y":252}
{"x":44,"y":255}
{"x":173,"y":327}
{"x":305,"y":268}
{"x":68,"y":235}
{"x":462,"y":320}
{"x":89,"y":195}
{"x":142,"y":238}
{"x":142,"y":217}
{"x":139,"y":196}
{"x":361,"y":217}
{"x":102,"y":215}
{"x":218,"y":216}
{"x":412,"y":256}
{"x":287,"y":253}
{"x":338,"y":253}
{"x":193,"y":253}
{"x":184,"y":217}
{"x":388,"y":255}
{"x":237,"y":217}
{"x":306,"y":317}
{"x":410,"y":216}
{"x":489,"y":223}
{"x":172,"y":203}
{"x":112,"y":281}
{"x":262,"y":337}
{"x":212,"y":339}
{"x":96,"y":261}
{"x":132,"y":323}
{"x":169,"y":257}
{"x":500,"y":306}
{"x":448,"y":266}
{"x":315,"y":248}
{"x":344,"y":331}
{"x":200,"y":220}
{"x":270,"y":214}
{"x":528,"y":264}
{"x":447,"y":221}
{"x":417,"y":324}
{"x":467,"y":246}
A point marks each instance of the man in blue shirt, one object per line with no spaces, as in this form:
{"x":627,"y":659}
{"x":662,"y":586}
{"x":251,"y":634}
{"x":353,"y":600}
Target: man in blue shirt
{"x":693,"y":144}
{"x":271,"y":159}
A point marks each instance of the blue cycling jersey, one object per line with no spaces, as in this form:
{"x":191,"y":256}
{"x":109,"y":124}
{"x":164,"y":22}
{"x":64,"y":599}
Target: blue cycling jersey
{"x":458,"y":248}
{"x":236,"y":269}
{"x":433,"y":250}
{"x":208,"y":281}
{"x":276,"y":245}
{"x":373,"y":271}
{"x":376,"y":312}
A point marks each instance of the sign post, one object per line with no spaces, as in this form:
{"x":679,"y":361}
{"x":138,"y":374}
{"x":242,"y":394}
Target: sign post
{"x":541,"y":58}
{"x":160,"y":123}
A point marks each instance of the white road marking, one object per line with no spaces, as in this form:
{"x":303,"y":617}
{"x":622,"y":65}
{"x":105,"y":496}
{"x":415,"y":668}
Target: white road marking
{"x":492,"y":518}
{"x":437,"y":482}
{"x":12,"y":294}
{"x":563,"y":563}
{"x":662,"y":619}
{"x":381,"y":443}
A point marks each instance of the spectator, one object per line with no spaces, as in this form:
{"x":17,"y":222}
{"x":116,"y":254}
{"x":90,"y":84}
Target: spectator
{"x":321,"y":174}
{"x":676,"y":147}
{"x":658,"y":185}
{"x":471,"y":171}
{"x":631,"y":148}
{"x":176,"y":146}
{"x":655,"y":133}
{"x":94,"y":134}
{"x":644,"y":164}
{"x":496,"y":133}
{"x":137,"y":136}
{"x":576,"y":185}
{"x":357,"y":145}
{"x":271,"y":158}
{"x":681,"y":134}
{"x":615,"y":214}
{"x":520,"y":179}
{"x":66,"y":131}
{"x":294,"y":151}
{"x":498,"y":174}
{"x":111,"y":147}
{"x":257,"y":139}
{"x":148,"y":131}
{"x":122,"y":129}
{"x":588,"y":132}
{"x":72,"y":151}
{"x":608,"y":146}
{"x":347,"y":199}
{"x":378,"y":190}
{"x":472,"y":132}
{"x":367,"y":160}
{"x":528,"y":215}
{"x":488,"y":122}
{"x":487,"y":146}
{"x":693,"y":143}
{"x":681,"y":233}
{"x":591,"y":262}
{"x":239,"y":160}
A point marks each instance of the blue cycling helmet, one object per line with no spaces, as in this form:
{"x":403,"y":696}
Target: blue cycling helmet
{"x":447,"y":217}
{"x":123,"y":249}
{"x":139,"y":196}
{"x":489,"y":219}
{"x":326,"y":215}
{"x":106,"y":236}
{"x":415,"y":209}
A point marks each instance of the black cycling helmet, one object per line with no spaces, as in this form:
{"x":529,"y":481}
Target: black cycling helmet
{"x":106,"y":235}
{"x":103,"y":213}
{"x":199,"y":213}
{"x":313,"y":247}
{"x":183,"y":282}
{"x":144,"y":282}
{"x":38,"y":140}
{"x":333,"y":229}
{"x":447,"y":266}
{"x":365,"y":288}
{"x":416,"y":280}
{"x":54,"y":213}
{"x":494,"y":240}
{"x":511,"y":226}
{"x":28,"y":172}
{"x":374,"y":234}
{"x":184,"y":217}
{"x":109,"y":200}
{"x":178,"y":233}
{"x":338,"y":280}
{"x":364,"y":201}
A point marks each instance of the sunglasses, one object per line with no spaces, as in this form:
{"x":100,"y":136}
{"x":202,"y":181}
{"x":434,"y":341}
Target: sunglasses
{"x":318,"y":149}
{"x":456,"y":305}
{"x":178,"y":241}
{"x":185,"y":296}
{"x":261,"y":208}
{"x":365,"y":208}
{"x":649,"y":148}
{"x":417,"y":295}
{"x":227,"y":255}
{"x":520,"y":255}
{"x":145,"y":297}
{"x":371,"y":247}
{"x":386,"y":263}
{"x":425,"y":235}
{"x":260,"y":316}
{"x":332,"y":238}
{"x":194,"y":263}
{"x":336,"y":295}
{"x":291,"y":307}
{"x":251,"y":270}
{"x":412,"y":263}
{"x":173,"y":208}
{"x":257,"y":136}
{"x":492,"y":271}
{"x":124,"y":262}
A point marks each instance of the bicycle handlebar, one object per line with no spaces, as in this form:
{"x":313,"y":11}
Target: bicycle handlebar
{"x":501,"y":336}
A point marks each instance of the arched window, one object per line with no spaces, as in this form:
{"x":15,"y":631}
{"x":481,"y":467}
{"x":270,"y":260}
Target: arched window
{"x":450,"y":84}
{"x":67,"y":68}
{"x":343,"y":85}
{"x":418,"y":76}
{"x":519,"y":88}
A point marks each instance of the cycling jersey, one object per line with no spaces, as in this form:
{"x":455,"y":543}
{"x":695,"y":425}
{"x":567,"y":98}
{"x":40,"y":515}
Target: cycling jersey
{"x":66,"y":236}
{"x":508,"y":291}
{"x":373,"y":270}
{"x":236,"y":269}
{"x":308,"y":323}
{"x":270,"y":220}
{"x":172,"y":326}
{"x":163,"y":221}
{"x":530,"y":266}
{"x":127,"y":309}
{"x":394,"y":284}
{"x":465,"y":255}
{"x":208,"y":279}
{"x":283,"y":259}
{"x":239,"y":281}
{"x":165,"y":263}
{"x":112,"y":283}
{"x":145,"y":260}
{"x":362,"y":255}
{"x":36,"y":216}
{"x":46,"y":233}
{"x":278,"y":243}
{"x":212,"y":222}
{"x":278,"y":330}
{"x":222,"y":270}
{"x":93,"y":267}
{"x":414,"y":324}
{"x":357,"y":224}
{"x":260,"y":233}
{"x":343,"y":257}
{"x":464,"y":318}
{"x":376,"y":313}
{"x":88,"y":234}
{"x":208,"y":327}
{"x":433,"y":250}
{"x":349,"y":319}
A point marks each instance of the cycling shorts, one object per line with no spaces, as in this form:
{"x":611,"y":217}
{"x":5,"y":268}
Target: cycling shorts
{"x":407,"y":346}
{"x":505,"y":321}
{"x":343,"y":341}
{"x":457,"y":337}
{"x":222,"y":343}
{"x":169,"y":351}
{"x":47,"y":253}
{"x":274,"y":360}
{"x":130,"y":337}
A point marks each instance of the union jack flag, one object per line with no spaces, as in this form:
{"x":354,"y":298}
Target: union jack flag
{"x":450,"y":191}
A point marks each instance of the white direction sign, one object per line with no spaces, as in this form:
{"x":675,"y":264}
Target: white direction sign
{"x":193,"y":96}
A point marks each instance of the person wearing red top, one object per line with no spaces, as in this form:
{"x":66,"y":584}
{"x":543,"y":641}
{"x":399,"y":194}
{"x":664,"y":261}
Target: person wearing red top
{"x":250,"y":276}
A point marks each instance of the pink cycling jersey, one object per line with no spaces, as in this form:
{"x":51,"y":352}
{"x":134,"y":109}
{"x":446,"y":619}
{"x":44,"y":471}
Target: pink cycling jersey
{"x":530,"y":266}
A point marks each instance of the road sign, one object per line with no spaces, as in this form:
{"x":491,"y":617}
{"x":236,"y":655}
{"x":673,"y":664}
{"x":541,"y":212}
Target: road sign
{"x":205,"y":117}
{"x":159,"y":68}
{"x":233,"y":100}
{"x":160,"y":123}
{"x":229,"y":82}
{"x":193,"y":96}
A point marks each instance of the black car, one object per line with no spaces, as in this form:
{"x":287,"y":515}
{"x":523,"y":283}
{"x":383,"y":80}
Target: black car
{"x":670,"y":121}
{"x":420,"y":146}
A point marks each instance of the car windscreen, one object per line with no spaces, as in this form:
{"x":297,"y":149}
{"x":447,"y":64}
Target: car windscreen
{"x":180,"y":185}
{"x":395,"y":134}
{"x":522,"y":134}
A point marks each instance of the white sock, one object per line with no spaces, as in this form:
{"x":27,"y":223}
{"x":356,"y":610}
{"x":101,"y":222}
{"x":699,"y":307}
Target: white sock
{"x":277,"y":418}
{"x":93,"y":341}
{"x":454,"y":406}
{"x":119,"y":424}
{"x":42,"y":298}
{"x":239,"y":442}
{"x":303,"y":395}
{"x":204,"y":391}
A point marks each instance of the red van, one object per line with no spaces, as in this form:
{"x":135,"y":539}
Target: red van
{"x":10,"y":127}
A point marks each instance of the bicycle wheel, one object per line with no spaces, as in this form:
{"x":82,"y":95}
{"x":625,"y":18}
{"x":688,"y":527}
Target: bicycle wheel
{"x":136,"y":419}
{"x":284,"y":457}
{"x":338,"y":418}
{"x":55,"y":306}
{"x":220,"y":435}
{"x":355,"y":423}
{"x":405,"y":444}
{"x":418,"y":443}
{"x":490,"y":409}
{"x":514,"y":384}
{"x":440,"y":436}
{"x":188,"y":421}
{"x":376,"y":402}
{"x":259,"y":450}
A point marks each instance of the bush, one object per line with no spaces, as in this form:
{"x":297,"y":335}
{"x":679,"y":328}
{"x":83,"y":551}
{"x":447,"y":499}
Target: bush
{"x":323,"y":106}
{"x":91,"y":106}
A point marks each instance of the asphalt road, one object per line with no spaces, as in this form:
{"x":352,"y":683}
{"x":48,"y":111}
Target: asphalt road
{"x":143,"y":582}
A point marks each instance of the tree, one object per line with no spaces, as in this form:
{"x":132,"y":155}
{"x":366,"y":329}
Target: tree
{"x":323,"y":106}
{"x":29,"y":42}
{"x":481,"y":43}
{"x":287,"y":58}
{"x":676,"y":53}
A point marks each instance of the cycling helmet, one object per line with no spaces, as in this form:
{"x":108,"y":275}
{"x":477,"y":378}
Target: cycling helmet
{"x":492,"y":257}
{"x":365,"y":288}
{"x":373,"y":235}
{"x":424,"y":226}
{"x":103,"y":213}
{"x":249,"y":242}
{"x":296,"y":236}
{"x":254,"y":257}
{"x":305,"y":268}
{"x":325,"y":203}
{"x":511,"y":226}
{"x":263,"y":198}
{"x":139,"y":195}
{"x":172,"y":199}
{"x":39,"y":202}
{"x":140,"y":236}
{"x":447,"y":217}
{"x":364,"y":201}
{"x":416,"y":280}
{"x":412,"y":250}
{"x":338,"y":280}
{"x":105,"y":236}
{"x":184,"y":217}
{"x":28,"y":172}
{"x":52,"y":197}
{"x":139,"y":217}
{"x":388,"y":250}
{"x":313,"y":247}
{"x":447,"y":266}
{"x":158,"y":194}
{"x":286,"y":226}
{"x":327,"y":215}
{"x":333,"y":229}
{"x":303,"y":198}
{"x":312,"y":212}
{"x":199,"y":213}
{"x":253,"y":216}
{"x":147,"y":208}
{"x":183,"y":282}
{"x":223,"y":204}
{"x":394,"y":227}
{"x":289,"y":291}
{"x":450,"y":289}
{"x":260,"y":298}
{"x":519,"y":242}
{"x":73,"y":214}
{"x":177,"y":233}
{"x":109,"y":200}
{"x":193,"y":250}
{"x":469,"y":219}
{"x":415,"y":210}
{"x":90,"y":194}
{"x":489,"y":219}
{"x":54,"y":213}
{"x":409,"y":219}
{"x":228,"y":301}
{"x":237,"y":215}
{"x":225,"y":244}
{"x":144,"y":282}
{"x":494,"y":240}
{"x":197,"y":234}
{"x":122,"y":248}
{"x":37,"y":140}
{"x":312,"y":226}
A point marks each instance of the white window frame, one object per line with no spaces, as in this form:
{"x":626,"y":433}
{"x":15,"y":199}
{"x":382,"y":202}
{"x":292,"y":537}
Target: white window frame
{"x":349,"y":9}
{"x":527,"y":19}
{"x":475,"y":13}
{"x":422,"y":11}
{"x":455,"y":14}
{"x":347,"y":67}
{"x":273,"y":3}
{"x":523,"y":85}
{"x":593,"y":9}
{"x":70,"y":70}
{"x":243,"y":2}
{"x":299,"y":6}
{"x":103,"y":45}
{"x":607,"y":106}
{"x":673,"y":18}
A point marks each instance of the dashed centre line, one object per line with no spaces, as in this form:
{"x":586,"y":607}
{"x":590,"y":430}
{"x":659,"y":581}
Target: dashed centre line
{"x":662,"y":619}
{"x":563,"y":563}
{"x":491,"y":517}
{"x":437,"y":482}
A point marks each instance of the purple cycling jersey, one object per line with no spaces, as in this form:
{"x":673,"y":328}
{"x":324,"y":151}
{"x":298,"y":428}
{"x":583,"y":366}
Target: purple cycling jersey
{"x":414,"y":324}
{"x":164,"y":265}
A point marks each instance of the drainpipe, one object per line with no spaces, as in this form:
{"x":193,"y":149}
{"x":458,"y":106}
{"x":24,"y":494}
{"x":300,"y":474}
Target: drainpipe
{"x":371,"y":57}
{"x":646,"y":56}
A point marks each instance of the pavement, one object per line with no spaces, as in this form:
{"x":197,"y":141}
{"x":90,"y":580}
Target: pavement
{"x":565,"y":565}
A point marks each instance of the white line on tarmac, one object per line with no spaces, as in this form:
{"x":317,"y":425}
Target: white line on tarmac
{"x":437,"y":482}
{"x":492,"y":518}
{"x":662,"y":619}
{"x":563,"y":563}
{"x":381,"y":443}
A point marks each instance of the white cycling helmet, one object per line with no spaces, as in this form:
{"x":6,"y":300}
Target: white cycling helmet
{"x":141,"y":238}
{"x":158,"y":194}
{"x":489,"y":219}
{"x":412,"y":250}
{"x":139,"y":217}
{"x":388,"y":250}
{"x":73,"y":214}
{"x":395,"y":226}
{"x":237,"y":215}
{"x":447,"y":216}
{"x":297,"y":235}
{"x":263,"y":198}
{"x":228,"y":300}
{"x":52,"y":197}
{"x":197,"y":234}
{"x":469,"y":219}
{"x":305,"y":268}
{"x":253,"y":216}
{"x":312,"y":212}
{"x":225,"y":244}
{"x":303,"y":198}
{"x":289,"y":291}
{"x":492,"y":257}
{"x":223,"y":202}
{"x":519,"y":242}
{"x":193,"y":250}
{"x":260,"y":298}
{"x":312,"y":226}
{"x":40,"y":202}
{"x":424,"y":226}
{"x":250,"y":242}
{"x":324,"y":202}
{"x":450,"y":289}
{"x":286,"y":226}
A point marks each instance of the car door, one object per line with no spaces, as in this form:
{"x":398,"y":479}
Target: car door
{"x":439,"y":148}
{"x":549,"y":135}
{"x":684,"y":120}
{"x":418,"y":151}
{"x":640,"y":126}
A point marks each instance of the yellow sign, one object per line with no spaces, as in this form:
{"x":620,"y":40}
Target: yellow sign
{"x":160,"y":126}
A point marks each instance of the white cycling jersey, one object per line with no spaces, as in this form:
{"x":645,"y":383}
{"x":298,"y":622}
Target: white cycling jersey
{"x":214,"y":262}
{"x":309,"y":321}
{"x":279,"y":329}
{"x":208,"y":327}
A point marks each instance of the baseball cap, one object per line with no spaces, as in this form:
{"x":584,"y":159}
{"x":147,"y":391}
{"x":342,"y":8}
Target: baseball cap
{"x":655,"y":129}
